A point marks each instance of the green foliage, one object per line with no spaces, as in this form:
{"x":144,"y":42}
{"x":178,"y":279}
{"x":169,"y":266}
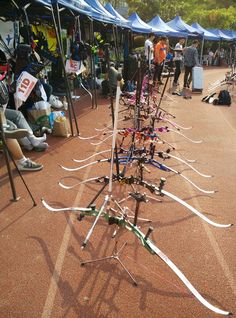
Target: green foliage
{"x":215,"y":18}
{"x":147,"y":9}
{"x":208,"y":13}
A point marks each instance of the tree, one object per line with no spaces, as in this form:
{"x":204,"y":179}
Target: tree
{"x":147,"y":9}
{"x":215,"y":18}
{"x":208,"y":13}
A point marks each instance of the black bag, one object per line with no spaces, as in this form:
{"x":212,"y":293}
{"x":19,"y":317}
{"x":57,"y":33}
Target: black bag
{"x":224,"y":98}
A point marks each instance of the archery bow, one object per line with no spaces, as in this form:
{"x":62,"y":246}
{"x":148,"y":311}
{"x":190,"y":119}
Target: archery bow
{"x":155,"y":190}
{"x":126,"y":160}
{"x":148,"y":244}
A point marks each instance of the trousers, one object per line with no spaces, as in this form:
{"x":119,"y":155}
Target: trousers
{"x":187,"y":75}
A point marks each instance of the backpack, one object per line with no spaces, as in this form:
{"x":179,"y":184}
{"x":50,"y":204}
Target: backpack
{"x":224,"y":98}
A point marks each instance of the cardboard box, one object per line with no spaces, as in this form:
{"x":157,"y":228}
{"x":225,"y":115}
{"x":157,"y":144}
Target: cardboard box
{"x":34,"y":114}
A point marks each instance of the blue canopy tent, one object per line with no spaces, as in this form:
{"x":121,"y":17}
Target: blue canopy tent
{"x":206,"y":34}
{"x":230,"y":33}
{"x":179,"y":25}
{"x":221,"y":35}
{"x":77,"y":5}
{"x":121,"y":20}
{"x":103,"y":14}
{"x":158,"y":23}
{"x":138,"y":25}
{"x":82,"y":7}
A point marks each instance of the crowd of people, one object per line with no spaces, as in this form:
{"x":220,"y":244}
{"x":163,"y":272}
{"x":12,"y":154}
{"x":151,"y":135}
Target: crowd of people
{"x":160,"y":53}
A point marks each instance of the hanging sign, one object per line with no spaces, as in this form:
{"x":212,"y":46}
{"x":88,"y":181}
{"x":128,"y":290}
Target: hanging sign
{"x":24,"y":86}
{"x":76,"y":67}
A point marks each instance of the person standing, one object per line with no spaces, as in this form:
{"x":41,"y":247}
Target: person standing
{"x":190,"y":60}
{"x":149,"y":48}
{"x":210,"y":57}
{"x":159,"y":59}
{"x":178,"y":59}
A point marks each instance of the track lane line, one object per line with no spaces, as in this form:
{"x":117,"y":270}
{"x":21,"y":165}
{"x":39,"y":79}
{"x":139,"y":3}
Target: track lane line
{"x":53,"y":287}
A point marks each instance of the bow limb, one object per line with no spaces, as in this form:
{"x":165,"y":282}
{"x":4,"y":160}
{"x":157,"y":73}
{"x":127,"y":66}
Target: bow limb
{"x":91,"y":96}
{"x":186,"y":159}
{"x":187,"y":164}
{"x":192,"y":209}
{"x":87,"y":138}
{"x":184,"y":279}
{"x":71,"y":209}
{"x":152,"y":248}
{"x":163,"y":141}
{"x":95,"y":136}
{"x":187,"y":179}
{"x":94,"y":155}
{"x":155,"y":189}
{"x":79,"y":183}
{"x":84,"y":166}
{"x":100,"y":142}
{"x":174,"y":124}
{"x":179,"y":133}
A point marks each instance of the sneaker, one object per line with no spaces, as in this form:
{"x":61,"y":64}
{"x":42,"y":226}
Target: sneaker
{"x":29,"y":165}
{"x":16,"y":134}
{"x":41,"y":147}
{"x":55,"y":102}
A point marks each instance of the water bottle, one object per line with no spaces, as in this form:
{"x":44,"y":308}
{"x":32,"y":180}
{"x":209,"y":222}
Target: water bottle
{"x":65,"y":104}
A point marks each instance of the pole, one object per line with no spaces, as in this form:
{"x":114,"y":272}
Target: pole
{"x":201,"y":55}
{"x":57,"y":26}
{"x":93,"y":69}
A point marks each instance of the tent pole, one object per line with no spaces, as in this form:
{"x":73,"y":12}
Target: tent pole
{"x":57,"y":26}
{"x":201,"y":55}
{"x":107,"y":58}
{"x":93,"y":69}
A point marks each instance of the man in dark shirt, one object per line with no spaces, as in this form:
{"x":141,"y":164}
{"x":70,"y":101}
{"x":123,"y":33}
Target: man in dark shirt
{"x":190,"y":60}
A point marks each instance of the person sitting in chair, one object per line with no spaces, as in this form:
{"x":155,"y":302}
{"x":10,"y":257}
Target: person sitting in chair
{"x":9,"y":136}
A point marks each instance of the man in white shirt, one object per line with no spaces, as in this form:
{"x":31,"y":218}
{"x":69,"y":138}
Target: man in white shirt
{"x":178,"y":59}
{"x":149,"y":48}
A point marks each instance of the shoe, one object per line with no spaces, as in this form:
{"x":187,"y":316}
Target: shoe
{"x":41,"y":147}
{"x":55,"y":102}
{"x":16,"y":134}
{"x":35,"y":141}
{"x":175,"y":84}
{"x":46,"y":130}
{"x":29,"y":165}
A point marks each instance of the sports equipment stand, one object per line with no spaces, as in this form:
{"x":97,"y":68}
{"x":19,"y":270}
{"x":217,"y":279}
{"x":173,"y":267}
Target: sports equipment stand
{"x":116,"y":256}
